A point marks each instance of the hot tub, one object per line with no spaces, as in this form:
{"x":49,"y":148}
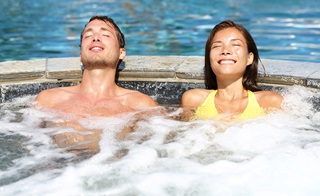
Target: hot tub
{"x":278,"y":154}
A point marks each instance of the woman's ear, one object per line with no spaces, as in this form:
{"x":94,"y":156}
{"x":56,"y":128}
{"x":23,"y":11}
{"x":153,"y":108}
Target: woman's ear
{"x":122,"y":53}
{"x":250,"y":58}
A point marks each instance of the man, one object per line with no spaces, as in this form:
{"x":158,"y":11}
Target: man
{"x":102,"y":49}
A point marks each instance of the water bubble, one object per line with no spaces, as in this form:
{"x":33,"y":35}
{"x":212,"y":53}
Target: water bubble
{"x":316,"y":119}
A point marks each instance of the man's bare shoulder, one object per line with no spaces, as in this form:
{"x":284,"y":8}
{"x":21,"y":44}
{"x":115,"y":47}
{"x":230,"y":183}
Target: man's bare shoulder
{"x":136,"y":99}
{"x":51,"y":97}
{"x":194,"y":97}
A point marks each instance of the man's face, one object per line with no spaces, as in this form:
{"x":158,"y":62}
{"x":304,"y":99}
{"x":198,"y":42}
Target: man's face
{"x":100,"y":46}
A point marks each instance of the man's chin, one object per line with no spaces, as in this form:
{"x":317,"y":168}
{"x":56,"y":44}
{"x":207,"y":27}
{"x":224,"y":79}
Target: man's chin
{"x":98,"y":64}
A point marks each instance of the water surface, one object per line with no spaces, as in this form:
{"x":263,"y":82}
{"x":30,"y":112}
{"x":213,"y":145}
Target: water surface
{"x":278,"y":154}
{"x":288,"y":29}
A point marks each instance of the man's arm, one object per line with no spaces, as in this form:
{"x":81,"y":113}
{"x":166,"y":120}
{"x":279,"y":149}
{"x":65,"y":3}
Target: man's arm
{"x":80,"y":141}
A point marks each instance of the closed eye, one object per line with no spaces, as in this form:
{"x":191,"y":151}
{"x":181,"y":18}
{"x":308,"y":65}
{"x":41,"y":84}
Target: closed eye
{"x":215,"y":46}
{"x":87,"y":34}
{"x":237,"y":42}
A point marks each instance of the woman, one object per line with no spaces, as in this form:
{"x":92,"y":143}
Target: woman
{"x":231,"y":70}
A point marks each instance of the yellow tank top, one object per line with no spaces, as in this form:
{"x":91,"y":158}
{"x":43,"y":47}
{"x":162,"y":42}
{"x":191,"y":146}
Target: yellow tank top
{"x":208,"y":109}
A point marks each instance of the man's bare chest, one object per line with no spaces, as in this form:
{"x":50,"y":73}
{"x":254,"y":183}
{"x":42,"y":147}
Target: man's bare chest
{"x":98,"y":108}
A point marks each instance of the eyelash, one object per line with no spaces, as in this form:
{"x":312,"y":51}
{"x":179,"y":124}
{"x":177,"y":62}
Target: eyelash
{"x":91,"y":35}
{"x":213,"y":47}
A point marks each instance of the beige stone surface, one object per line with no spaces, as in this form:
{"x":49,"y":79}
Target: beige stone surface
{"x":149,"y":66}
{"x":290,"y":68}
{"x":288,"y":72}
{"x":22,"y":70}
{"x":157,"y":68}
{"x":64,"y":68}
{"x":191,"y":68}
{"x":152,"y":63}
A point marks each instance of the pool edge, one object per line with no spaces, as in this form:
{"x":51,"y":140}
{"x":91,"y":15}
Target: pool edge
{"x":149,"y":74}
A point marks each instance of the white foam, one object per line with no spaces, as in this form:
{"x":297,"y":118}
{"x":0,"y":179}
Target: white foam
{"x":278,"y":154}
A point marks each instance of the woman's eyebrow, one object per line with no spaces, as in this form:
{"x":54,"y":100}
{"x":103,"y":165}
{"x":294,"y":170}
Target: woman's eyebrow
{"x":237,"y":39}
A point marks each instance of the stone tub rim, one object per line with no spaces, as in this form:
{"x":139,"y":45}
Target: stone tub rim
{"x":29,"y":77}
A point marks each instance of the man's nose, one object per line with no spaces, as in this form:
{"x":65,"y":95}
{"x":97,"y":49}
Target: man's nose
{"x":96,"y":38}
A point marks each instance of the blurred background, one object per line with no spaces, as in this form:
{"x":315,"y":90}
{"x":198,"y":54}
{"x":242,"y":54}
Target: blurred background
{"x":283,"y":30}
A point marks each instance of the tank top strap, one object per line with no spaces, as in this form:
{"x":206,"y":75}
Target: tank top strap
{"x":208,"y":109}
{"x":252,"y":100}
{"x":210,"y":99}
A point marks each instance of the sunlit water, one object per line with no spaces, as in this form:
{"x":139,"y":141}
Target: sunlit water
{"x":278,"y":154}
{"x":286,"y":29}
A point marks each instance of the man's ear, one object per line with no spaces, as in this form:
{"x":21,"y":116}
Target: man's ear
{"x":250,"y":58}
{"x":122,"y":53}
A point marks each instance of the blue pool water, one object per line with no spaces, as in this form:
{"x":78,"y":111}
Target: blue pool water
{"x":288,"y":29}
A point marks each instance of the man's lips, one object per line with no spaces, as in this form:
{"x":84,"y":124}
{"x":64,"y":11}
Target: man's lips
{"x":96,"y":48}
{"x":227,"y":61}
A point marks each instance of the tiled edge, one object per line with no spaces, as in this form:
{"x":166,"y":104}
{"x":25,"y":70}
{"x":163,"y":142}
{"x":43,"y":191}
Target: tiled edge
{"x":314,"y":80}
{"x":22,"y":70}
{"x":133,"y":67}
{"x":9,"y":91}
{"x":63,"y":68}
{"x":289,"y":72}
{"x":149,"y":67}
{"x":277,"y":72}
{"x":170,"y":68}
{"x":164,"y":73}
{"x":191,"y":68}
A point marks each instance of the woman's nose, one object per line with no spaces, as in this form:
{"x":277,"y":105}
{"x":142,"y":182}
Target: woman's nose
{"x":225,"y":50}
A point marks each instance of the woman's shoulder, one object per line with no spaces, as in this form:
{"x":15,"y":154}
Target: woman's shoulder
{"x":194,"y":97}
{"x":269,"y":99}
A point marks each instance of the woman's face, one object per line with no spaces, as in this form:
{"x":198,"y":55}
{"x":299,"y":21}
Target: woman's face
{"x":229,"y":54}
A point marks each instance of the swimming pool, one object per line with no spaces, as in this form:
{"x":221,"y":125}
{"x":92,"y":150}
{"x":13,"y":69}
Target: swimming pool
{"x":288,"y":29}
{"x":277,"y":154}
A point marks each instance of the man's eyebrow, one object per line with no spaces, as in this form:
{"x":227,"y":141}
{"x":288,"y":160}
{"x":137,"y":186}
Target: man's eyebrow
{"x":102,"y":28}
{"x":106,"y":29}
{"x":87,"y":30}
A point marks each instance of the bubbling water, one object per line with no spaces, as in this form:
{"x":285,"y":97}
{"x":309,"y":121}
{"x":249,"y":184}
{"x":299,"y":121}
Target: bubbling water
{"x":278,"y":154}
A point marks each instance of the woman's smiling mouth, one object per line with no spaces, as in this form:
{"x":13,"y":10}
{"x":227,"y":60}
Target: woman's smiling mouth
{"x":226,"y":61}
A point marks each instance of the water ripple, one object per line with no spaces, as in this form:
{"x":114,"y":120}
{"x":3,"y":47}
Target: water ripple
{"x":51,"y":29}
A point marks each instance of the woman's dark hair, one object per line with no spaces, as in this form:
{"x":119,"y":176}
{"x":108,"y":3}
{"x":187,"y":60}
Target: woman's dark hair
{"x":107,"y":20}
{"x":250,"y":76}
